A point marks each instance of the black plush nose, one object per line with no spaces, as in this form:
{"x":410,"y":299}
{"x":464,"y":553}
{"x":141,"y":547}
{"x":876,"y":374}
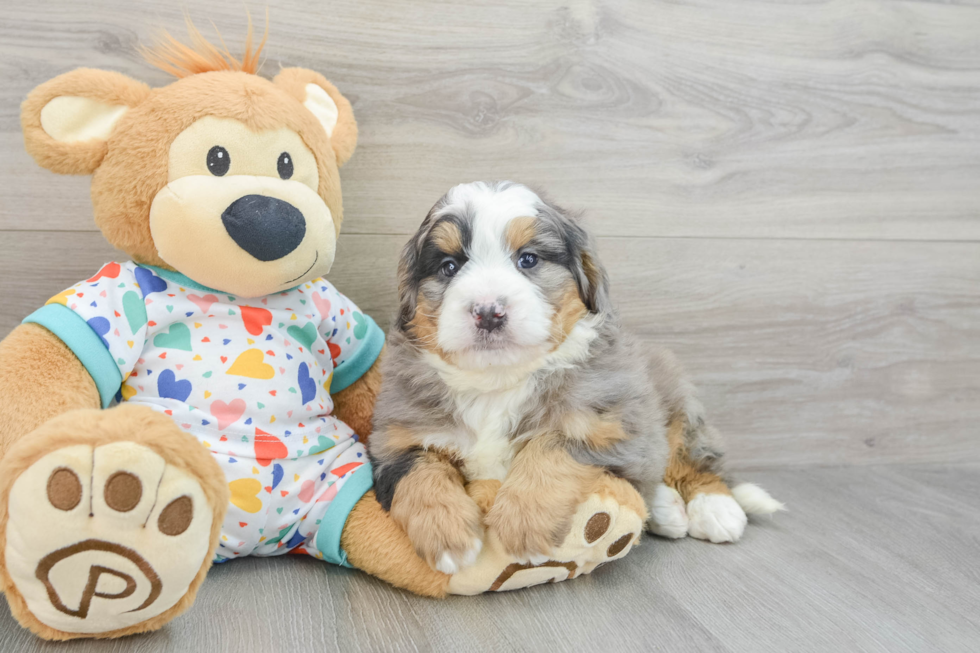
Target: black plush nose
{"x":265,"y":227}
{"x":489,"y":317}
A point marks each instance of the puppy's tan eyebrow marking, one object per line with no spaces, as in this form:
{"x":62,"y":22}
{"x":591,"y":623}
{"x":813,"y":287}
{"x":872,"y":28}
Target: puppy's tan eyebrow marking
{"x":447,"y":237}
{"x":520,"y":231}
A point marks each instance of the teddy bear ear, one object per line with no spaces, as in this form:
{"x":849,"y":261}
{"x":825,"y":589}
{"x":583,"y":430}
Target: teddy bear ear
{"x":67,"y":120}
{"x":324,"y":101}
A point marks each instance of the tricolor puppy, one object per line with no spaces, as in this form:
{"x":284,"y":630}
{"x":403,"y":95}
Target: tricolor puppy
{"x":508,"y":363}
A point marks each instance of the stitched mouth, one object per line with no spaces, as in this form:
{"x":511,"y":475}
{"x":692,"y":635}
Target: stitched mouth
{"x":316,"y":257}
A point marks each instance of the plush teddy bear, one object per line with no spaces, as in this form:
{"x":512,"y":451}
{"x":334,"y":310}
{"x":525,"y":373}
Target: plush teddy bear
{"x":202,"y":401}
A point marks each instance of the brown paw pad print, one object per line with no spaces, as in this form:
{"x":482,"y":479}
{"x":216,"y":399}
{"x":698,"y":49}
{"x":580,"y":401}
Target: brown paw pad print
{"x":123,"y":492}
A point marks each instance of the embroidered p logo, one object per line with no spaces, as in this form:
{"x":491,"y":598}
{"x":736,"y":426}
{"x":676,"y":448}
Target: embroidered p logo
{"x":96,"y":572}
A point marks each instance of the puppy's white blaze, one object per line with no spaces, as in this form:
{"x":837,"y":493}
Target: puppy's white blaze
{"x":756,"y":501}
{"x":495,"y":209}
{"x":526,"y":332}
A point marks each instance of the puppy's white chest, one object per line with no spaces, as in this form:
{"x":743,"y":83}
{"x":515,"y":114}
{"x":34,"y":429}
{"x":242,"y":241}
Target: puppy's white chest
{"x":490,"y":418}
{"x":490,"y":457}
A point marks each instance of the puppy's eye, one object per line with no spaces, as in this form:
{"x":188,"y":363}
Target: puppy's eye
{"x":527,"y":260}
{"x":450,"y":268}
{"x":285,"y":165}
{"x":218,"y":161}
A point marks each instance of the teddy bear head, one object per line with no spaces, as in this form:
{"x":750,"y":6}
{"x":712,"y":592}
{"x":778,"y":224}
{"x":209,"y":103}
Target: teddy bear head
{"x":224,"y":176}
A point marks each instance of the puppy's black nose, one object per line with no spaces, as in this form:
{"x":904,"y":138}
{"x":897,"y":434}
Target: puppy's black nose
{"x":489,"y":317}
{"x":265,"y":227}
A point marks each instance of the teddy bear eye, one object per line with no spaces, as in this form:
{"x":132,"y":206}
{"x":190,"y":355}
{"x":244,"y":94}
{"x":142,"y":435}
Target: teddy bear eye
{"x":285,"y":165}
{"x":218,"y":161}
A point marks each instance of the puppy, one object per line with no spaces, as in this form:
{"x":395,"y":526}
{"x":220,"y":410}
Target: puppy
{"x":508,"y":363}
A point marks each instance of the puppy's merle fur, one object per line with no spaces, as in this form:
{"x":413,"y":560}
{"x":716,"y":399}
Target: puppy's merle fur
{"x":550,"y":394}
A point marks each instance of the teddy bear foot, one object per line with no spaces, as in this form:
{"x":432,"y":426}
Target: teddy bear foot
{"x":605,"y":527}
{"x":102,"y":538}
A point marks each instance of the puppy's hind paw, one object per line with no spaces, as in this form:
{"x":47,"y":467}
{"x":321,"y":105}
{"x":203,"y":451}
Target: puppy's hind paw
{"x":716,"y":518}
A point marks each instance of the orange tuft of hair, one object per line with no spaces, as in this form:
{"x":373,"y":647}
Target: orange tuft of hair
{"x":202,"y":56}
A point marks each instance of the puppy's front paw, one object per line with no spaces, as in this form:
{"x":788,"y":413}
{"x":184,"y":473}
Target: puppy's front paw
{"x":446,"y":531}
{"x":526,"y":532}
{"x":450,"y":563}
{"x":668,"y":516}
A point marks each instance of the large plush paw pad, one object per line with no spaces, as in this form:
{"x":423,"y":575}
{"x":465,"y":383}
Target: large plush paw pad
{"x":103,"y":538}
{"x":602,"y":530}
{"x":716,"y":517}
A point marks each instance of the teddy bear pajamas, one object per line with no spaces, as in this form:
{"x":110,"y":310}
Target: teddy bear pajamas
{"x":249,"y":378}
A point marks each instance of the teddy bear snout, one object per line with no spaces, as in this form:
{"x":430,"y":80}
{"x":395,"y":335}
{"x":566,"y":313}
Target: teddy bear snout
{"x":265,"y":227}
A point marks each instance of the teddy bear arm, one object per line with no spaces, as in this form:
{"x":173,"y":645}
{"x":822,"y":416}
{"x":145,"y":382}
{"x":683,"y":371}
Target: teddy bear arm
{"x":354,"y":405}
{"x":40,"y":378}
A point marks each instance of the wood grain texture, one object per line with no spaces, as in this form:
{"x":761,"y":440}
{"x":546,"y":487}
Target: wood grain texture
{"x":869,"y":560}
{"x":763,"y":118}
{"x":806,"y":351}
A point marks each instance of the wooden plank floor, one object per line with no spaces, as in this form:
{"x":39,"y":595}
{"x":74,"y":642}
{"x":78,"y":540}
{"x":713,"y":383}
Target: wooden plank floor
{"x":787,"y":194}
{"x":881,"y":559}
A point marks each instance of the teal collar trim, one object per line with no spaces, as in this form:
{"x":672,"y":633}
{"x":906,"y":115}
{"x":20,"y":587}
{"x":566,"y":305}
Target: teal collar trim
{"x":180,"y":279}
{"x":183,"y":280}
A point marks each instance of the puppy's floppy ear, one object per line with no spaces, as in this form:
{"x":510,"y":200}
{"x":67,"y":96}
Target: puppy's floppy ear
{"x":589,"y":273}
{"x":593,"y":283}
{"x":324,"y":101}
{"x":67,"y":120}
{"x":409,"y":276}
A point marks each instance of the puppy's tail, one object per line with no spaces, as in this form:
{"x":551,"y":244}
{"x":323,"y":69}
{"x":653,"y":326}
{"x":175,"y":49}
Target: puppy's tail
{"x":754,"y":500}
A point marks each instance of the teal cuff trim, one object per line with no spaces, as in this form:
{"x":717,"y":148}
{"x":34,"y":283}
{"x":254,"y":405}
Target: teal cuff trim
{"x":361,"y":361}
{"x":84,"y":343}
{"x":332,"y":524}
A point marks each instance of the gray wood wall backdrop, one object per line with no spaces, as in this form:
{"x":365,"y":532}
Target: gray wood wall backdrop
{"x":787,"y":193}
